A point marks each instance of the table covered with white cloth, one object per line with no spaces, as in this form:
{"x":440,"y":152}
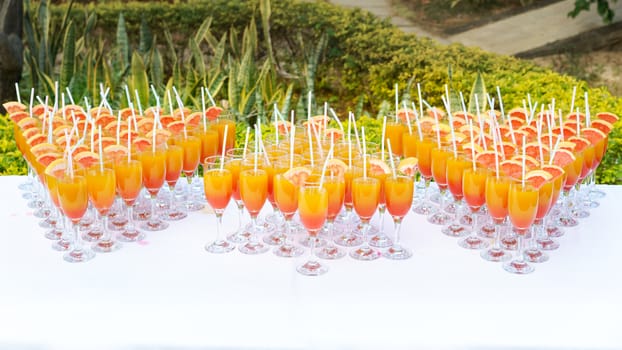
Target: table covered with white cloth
{"x":167,"y":292}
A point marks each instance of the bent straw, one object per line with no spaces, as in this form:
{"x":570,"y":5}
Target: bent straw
{"x":211,"y":99}
{"x":417,"y":122}
{"x":391,"y":159}
{"x":539,"y":132}
{"x":561,"y":125}
{"x":19,"y":98}
{"x":554,"y":151}
{"x":332,"y":111}
{"x":224,"y":149}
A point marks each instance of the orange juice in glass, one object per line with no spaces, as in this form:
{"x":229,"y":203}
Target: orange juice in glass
{"x":219,"y":125}
{"x":455,"y":168}
{"x":349,"y":238}
{"x":545,"y":196}
{"x":129,"y":178}
{"x":399,"y":196}
{"x":573,"y":173}
{"x":474,"y":190}
{"x":192,"y":156}
{"x":394,"y":132}
{"x":101,"y":184}
{"x":218,"y":184}
{"x":56,"y":231}
{"x":209,"y":143}
{"x":313,"y":210}
{"x":497,"y":189}
{"x":439,"y":174}
{"x":73,"y":199}
{"x":334,"y":184}
{"x":522,"y":210}
{"x":153,"y":161}
{"x":286,"y":197}
{"x":365,"y":193}
{"x":424,"y":156}
{"x":409,"y":144}
{"x":233,"y":163}
{"x":253,"y":186}
{"x":174,"y":164}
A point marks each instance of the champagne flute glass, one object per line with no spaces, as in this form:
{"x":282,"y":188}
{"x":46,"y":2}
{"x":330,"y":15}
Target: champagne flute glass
{"x":101,"y":185}
{"x":286,"y":196}
{"x":234,"y":160}
{"x":600,"y":149}
{"x":522,"y":209}
{"x":153,"y":161}
{"x":399,"y":191}
{"x":335,"y":187}
{"x":192,"y":154}
{"x":573,"y":171}
{"x":474,"y":189}
{"x":589,"y":158}
{"x":174,"y":164}
{"x":456,"y":164}
{"x":439,"y":174}
{"x":274,"y":219}
{"x":65,"y":240}
{"x":254,"y":192}
{"x":545,"y":187}
{"x":379,"y":169}
{"x":129,"y":177}
{"x":393,"y":133}
{"x":497,"y":190}
{"x":348,"y":237}
{"x":365,"y":193}
{"x":424,"y":157}
{"x":73,"y":198}
{"x":313,"y":210}
{"x":56,"y":231}
{"x":218,"y":184}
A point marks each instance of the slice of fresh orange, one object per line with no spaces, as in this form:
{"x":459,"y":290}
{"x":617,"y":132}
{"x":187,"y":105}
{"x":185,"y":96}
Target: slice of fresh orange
{"x":406,"y":114}
{"x":39,"y":110}
{"x":212,"y":113}
{"x":487,"y":159}
{"x":336,"y":167}
{"x":567,"y":145}
{"x":511,"y":168}
{"x":538,"y":177}
{"x":152,"y":111}
{"x":608,"y":117}
{"x":127,"y":112}
{"x":194,"y":119}
{"x":165,"y":120}
{"x":581,"y":143}
{"x":378,"y":167}
{"x":426,"y":124}
{"x":115,"y":152}
{"x":602,"y":125}
{"x":176,"y":127}
{"x":14,"y":106}
{"x":519,"y":113}
{"x":142,"y":143}
{"x":335,"y":134}
{"x":112,"y":126}
{"x":297,"y":175}
{"x":179,"y":111}
{"x":36,"y":139}
{"x":552,"y":169}
{"x":87,"y":159}
{"x":458,"y":122}
{"x":530,"y":162}
{"x":145,"y":125}
{"x":107,"y":141}
{"x":43,"y":148}
{"x":56,"y":168}
{"x":593,"y":135}
{"x":408,"y":166}
{"x":563,"y":157}
{"x":574,"y":117}
{"x":283,"y":126}
{"x":507,"y":148}
{"x":567,"y":131}
{"x":17,"y":116}
{"x":162,"y":136}
{"x":47,"y":158}
{"x":104,"y":119}
{"x":27,"y":123}
{"x":532,"y":149}
{"x":99,"y":110}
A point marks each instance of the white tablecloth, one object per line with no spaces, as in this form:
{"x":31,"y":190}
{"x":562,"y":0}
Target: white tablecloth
{"x":167,"y":292}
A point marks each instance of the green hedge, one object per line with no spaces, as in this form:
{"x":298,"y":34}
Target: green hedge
{"x":365,"y":56}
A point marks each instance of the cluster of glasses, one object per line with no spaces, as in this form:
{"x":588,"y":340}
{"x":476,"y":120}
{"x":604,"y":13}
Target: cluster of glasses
{"x":511,"y":196}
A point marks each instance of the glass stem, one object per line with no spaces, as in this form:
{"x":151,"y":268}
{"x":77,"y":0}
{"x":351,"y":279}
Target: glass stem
{"x":441,"y":203}
{"x":312,"y":248}
{"x":495,"y":242}
{"x":76,"y":234}
{"x":105,"y":233}
{"x":153,"y":217}
{"x":474,"y":222}
{"x":398,"y":227}
{"x":329,"y":227}
{"x":130,"y":217}
{"x":381,"y":211}
{"x":365,"y":229}
{"x":218,"y":225}
{"x":240,"y":214}
{"x":519,"y":248}
{"x":171,"y":200}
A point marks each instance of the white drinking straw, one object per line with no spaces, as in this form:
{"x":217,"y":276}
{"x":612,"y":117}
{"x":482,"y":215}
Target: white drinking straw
{"x":291,"y":142}
{"x":153,"y":141}
{"x":356,"y":132}
{"x":92,"y":135}
{"x":524,"y":158}
{"x":420,"y":105}
{"x":578,"y":123}
{"x":68,"y":153}
{"x":410,"y":130}
{"x":140,"y":107}
{"x":396,"y":101}
{"x":204,"y":117}
{"x":224,"y":149}
{"x":481,"y":124}
{"x":574,"y":93}
{"x":118,"y":127}
{"x":32,"y":97}
{"x":101,"y":152}
{"x":501,"y":105}
{"x":451,"y":123}
{"x":211,"y":99}
{"x":384,"y":135}
{"x":588,"y":120}
{"x":417,"y":122}
{"x":309,"y":106}
{"x":472,"y":143}
{"x":129,"y":143}
{"x":349,"y":142}
{"x":256,"y":147}
{"x":170,"y":102}
{"x":554,"y":151}
{"x":276,"y":126}
{"x":19,"y":97}
{"x":332,"y":111}
{"x":310,"y":143}
{"x":328,"y":157}
{"x":248,"y":130}
{"x":364,"y":153}
{"x":561,"y":125}
{"x":391,"y":159}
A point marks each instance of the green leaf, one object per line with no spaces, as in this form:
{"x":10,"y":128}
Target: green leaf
{"x":157,"y":71}
{"x":203,"y":30}
{"x":478,"y":91}
{"x":69,"y":54}
{"x":139,"y":79}
{"x":122,"y":42}
{"x":146,"y":38}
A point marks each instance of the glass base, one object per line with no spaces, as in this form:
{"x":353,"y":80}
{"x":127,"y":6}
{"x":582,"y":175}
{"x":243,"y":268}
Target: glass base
{"x":42,"y":213}
{"x":25,"y":186}
{"x":580,"y":214}
{"x":535,"y":255}
{"x":118,"y":222}
{"x":330,"y":252}
{"x":319,"y":242}
{"x":275,"y":238}
{"x":107,"y":246}
{"x":53,"y":234}
{"x":174,"y":215}
{"x":380,"y":240}
{"x":554,"y":231}
{"x":312,"y":268}
{"x":495,"y":255}
{"x":142,"y":213}
{"x":219,"y":247}
{"x":424,"y":208}
{"x":597,"y":194}
{"x":365,"y":253}
{"x":288,"y":251}
{"x":253,"y":248}
{"x":349,"y":240}
{"x":79,"y":255}
{"x":93,"y":235}
{"x":567,"y":221}
{"x":49,"y":222}
{"x":472,"y":242}
{"x":547,"y":244}
{"x":241,"y":236}
{"x":487,"y":231}
{"x":518,"y":267}
{"x":154,"y":225}
{"x":397,"y":253}
{"x":440,"y":218}
{"x":451,"y":208}
{"x":193,"y":205}
{"x":456,"y":230}
{"x":509,"y":242}
{"x":131,"y":236}
{"x":592,"y":204}
{"x":62,"y":245}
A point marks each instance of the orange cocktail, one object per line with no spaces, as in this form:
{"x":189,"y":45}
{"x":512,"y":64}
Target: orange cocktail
{"x":497,"y":190}
{"x":174,"y":164}
{"x":365,"y":193}
{"x":253,"y":186}
{"x":573,"y":172}
{"x":335,"y":186}
{"x":102,"y":187}
{"x":129,"y":177}
{"x":218,"y":184}
{"x":313,"y":210}
{"x":424,"y":156}
{"x":393,"y":133}
{"x":439,"y":166}
{"x":409,"y":144}
{"x":209,"y":143}
{"x":73,"y":199}
{"x":153,"y":161}
{"x":192,"y":157}
{"x":399,"y":192}
{"x":474,"y":190}
{"x":219,"y":125}
{"x":455,"y":168}
{"x":589,"y":158}
{"x":522,"y":208}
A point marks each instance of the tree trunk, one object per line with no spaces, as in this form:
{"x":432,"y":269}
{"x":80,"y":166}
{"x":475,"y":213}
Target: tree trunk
{"x":11,"y":48}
